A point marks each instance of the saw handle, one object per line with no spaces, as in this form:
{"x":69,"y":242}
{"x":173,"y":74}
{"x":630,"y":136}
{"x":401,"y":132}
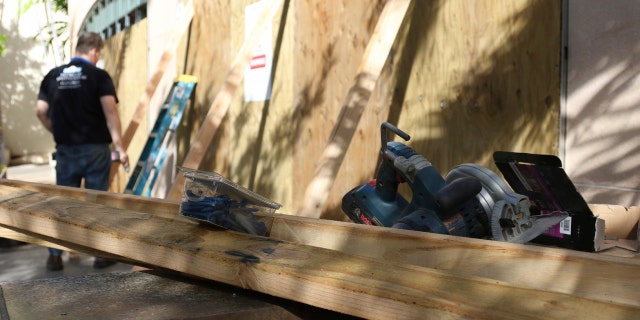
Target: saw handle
{"x":383,"y":134}
{"x":457,"y":192}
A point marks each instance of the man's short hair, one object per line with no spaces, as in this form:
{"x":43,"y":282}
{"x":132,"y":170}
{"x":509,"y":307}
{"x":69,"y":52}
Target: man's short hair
{"x":88,"y":41}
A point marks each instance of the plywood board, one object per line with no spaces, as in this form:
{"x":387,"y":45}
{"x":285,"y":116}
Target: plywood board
{"x":220,"y":106}
{"x":259,"y":131}
{"x":484,"y":77}
{"x":375,"y":56}
{"x":327,"y":50}
{"x":209,"y":56}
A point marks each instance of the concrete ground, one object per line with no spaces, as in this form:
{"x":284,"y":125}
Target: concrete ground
{"x":27,"y":261}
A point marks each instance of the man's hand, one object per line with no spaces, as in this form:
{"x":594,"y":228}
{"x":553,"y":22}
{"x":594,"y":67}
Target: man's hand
{"x":122,"y":157}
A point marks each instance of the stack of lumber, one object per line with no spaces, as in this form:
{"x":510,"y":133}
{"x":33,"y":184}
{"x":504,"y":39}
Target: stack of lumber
{"x":358,"y":270}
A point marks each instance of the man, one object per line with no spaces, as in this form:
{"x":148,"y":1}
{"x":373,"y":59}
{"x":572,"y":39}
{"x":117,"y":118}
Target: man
{"x":77,"y":104}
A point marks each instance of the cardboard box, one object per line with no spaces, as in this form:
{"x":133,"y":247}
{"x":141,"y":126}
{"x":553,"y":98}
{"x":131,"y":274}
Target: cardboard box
{"x":620,"y":227}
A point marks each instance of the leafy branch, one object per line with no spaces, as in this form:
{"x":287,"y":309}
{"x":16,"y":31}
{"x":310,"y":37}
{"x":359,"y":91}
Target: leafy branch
{"x":3,"y":38}
{"x":54,"y":30}
{"x":58,"y":5}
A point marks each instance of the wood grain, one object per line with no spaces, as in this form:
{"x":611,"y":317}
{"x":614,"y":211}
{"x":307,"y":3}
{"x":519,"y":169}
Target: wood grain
{"x":359,"y":286}
{"x":375,"y":56}
{"x":589,"y":275}
{"x":18,"y":236}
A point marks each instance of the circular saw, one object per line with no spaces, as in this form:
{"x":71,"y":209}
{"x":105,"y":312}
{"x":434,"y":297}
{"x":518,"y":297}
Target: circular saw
{"x":508,"y":212}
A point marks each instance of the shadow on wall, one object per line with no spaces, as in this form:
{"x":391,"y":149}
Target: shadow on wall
{"x":603,"y":99}
{"x":23,"y":134}
{"x":281,"y":138}
{"x":311,"y":97}
{"x":489,"y":99}
{"x":615,"y":171}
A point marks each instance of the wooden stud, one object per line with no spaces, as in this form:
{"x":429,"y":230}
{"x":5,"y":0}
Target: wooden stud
{"x":374,"y":58}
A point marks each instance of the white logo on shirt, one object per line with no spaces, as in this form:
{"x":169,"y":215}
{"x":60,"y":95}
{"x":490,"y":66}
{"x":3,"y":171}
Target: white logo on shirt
{"x":70,"y":78}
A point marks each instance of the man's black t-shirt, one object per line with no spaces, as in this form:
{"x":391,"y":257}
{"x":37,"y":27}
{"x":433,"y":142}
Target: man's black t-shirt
{"x":73,"y":92}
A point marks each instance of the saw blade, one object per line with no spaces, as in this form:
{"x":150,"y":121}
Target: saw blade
{"x":507,"y":211}
{"x":493,"y":187}
{"x":509,"y":225}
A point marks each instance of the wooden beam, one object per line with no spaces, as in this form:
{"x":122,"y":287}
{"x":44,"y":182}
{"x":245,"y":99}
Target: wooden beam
{"x":18,"y":236}
{"x":374,"y":58}
{"x":590,"y":275}
{"x":122,"y":201}
{"x":161,"y":207}
{"x":358,"y":286}
{"x":167,"y":56}
{"x":220,"y":106}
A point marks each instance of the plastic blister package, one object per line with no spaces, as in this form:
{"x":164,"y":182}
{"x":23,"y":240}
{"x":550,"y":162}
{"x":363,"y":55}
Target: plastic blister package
{"x":210,"y":198}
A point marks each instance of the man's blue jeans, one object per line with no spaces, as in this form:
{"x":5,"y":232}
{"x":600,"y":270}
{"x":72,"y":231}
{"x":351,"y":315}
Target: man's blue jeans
{"x":90,"y":162}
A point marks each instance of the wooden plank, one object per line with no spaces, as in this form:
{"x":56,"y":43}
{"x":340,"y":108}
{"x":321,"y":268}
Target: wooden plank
{"x":143,"y":104}
{"x":13,"y":235}
{"x":375,"y":56}
{"x":589,"y":275}
{"x":164,"y":208}
{"x":220,"y":105}
{"x":358,"y":286}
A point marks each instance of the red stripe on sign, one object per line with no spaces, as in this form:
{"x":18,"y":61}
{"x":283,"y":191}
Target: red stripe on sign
{"x":258,"y":62}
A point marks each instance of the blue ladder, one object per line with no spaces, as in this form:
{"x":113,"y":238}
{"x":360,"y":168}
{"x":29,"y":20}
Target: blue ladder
{"x":151,"y":160}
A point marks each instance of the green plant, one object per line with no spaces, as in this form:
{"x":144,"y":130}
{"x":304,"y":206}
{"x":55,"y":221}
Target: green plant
{"x":58,"y":5}
{"x":55,"y":31}
{"x":3,"y":38}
